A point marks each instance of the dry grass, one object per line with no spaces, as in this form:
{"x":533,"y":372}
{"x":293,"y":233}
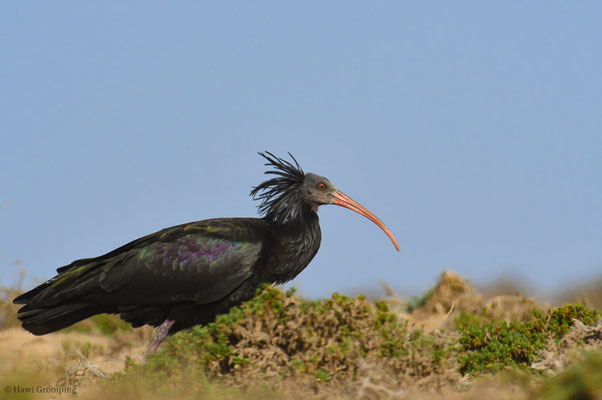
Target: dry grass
{"x":8,"y":310}
{"x":335,"y":349}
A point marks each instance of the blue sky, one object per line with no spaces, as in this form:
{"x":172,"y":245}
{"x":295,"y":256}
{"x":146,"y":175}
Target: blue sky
{"x":472,"y":130}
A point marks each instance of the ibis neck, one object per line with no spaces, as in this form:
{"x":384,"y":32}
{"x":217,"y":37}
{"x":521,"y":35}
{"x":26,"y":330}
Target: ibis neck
{"x":299,"y":239}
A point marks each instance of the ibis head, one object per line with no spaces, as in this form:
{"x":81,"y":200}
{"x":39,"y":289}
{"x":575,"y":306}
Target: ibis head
{"x":286,"y":196}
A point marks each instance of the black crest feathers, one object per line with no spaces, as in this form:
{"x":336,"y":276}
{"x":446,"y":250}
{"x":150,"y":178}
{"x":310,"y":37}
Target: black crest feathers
{"x":279,"y":196}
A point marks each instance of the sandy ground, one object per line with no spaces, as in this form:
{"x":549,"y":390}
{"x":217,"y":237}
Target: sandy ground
{"x":21,"y":348}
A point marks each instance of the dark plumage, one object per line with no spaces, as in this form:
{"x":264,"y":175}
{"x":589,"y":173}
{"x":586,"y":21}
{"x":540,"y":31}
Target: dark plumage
{"x":187,"y":274}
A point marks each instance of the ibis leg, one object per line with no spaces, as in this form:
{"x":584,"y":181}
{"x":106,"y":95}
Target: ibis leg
{"x":160,"y":335}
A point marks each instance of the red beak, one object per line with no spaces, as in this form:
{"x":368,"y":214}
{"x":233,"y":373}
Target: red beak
{"x":341,"y":199}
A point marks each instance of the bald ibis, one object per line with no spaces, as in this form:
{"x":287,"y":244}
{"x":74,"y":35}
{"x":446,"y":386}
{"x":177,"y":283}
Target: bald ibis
{"x":187,"y":274}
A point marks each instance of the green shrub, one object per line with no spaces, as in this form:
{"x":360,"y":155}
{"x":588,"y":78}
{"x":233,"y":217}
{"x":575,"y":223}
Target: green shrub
{"x":279,"y":334}
{"x":491,"y":346}
{"x":418,"y":301}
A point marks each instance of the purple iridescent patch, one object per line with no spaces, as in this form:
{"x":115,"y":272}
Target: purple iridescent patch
{"x":194,"y":251}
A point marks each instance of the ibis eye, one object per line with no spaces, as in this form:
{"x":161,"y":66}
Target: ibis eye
{"x":321,"y":186}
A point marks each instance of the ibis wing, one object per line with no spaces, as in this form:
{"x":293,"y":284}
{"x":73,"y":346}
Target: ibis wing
{"x":192,"y":267}
{"x":198,"y":262}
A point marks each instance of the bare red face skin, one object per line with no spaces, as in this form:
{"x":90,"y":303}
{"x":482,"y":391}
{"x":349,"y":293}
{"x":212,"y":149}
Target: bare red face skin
{"x":341,"y":199}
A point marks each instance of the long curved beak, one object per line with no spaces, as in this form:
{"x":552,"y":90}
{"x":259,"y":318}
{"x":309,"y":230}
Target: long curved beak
{"x":341,"y":199}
